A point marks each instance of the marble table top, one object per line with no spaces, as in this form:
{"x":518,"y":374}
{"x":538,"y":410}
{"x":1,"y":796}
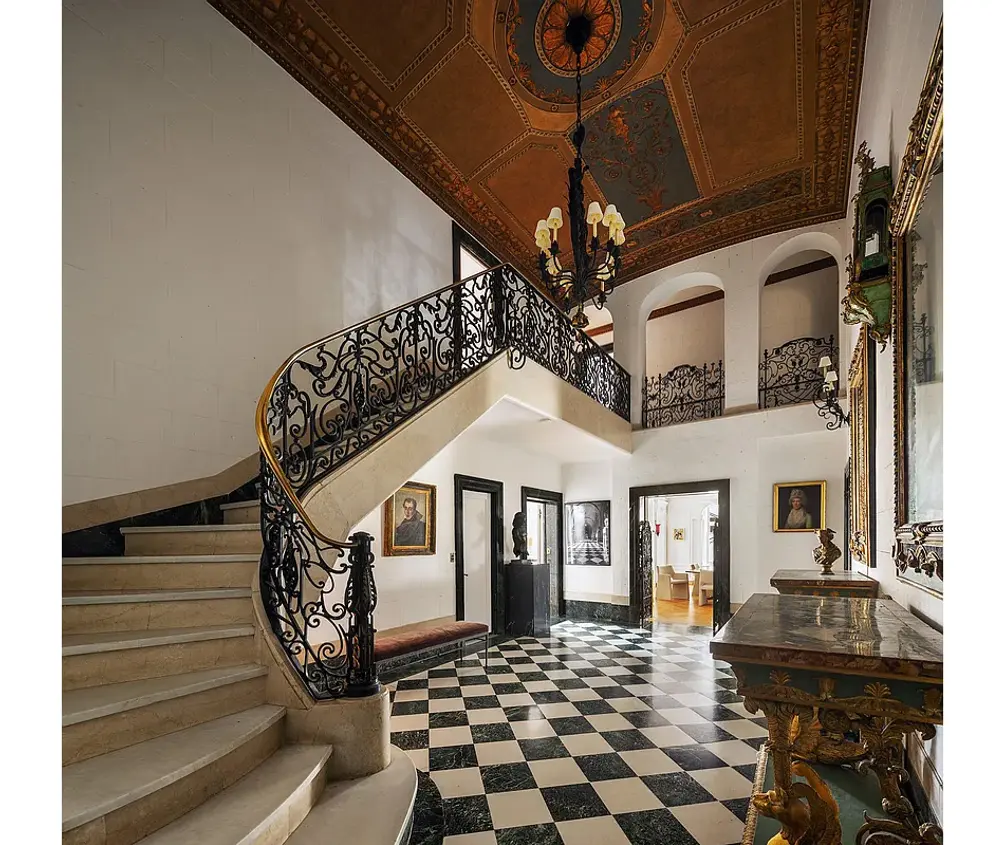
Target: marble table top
{"x":815,"y":576}
{"x":831,"y":632}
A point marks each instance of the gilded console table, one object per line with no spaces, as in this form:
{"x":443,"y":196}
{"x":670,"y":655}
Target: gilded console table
{"x":812,"y":582}
{"x":821,"y":668}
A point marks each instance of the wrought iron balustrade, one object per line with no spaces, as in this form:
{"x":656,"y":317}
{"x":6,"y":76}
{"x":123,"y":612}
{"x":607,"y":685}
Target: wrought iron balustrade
{"x":684,"y":394}
{"x":790,"y":373}
{"x":335,"y":398}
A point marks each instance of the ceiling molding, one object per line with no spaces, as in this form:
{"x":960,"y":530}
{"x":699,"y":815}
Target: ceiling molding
{"x":759,"y":170}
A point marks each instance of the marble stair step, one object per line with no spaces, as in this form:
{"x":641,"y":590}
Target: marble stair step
{"x":238,"y":512}
{"x":192,"y":539}
{"x":157,"y":572}
{"x":262,"y":808}
{"x":137,"y":611}
{"x":348,"y":805}
{"x":100,"y":719}
{"x":124,"y":795}
{"x":117,"y":656}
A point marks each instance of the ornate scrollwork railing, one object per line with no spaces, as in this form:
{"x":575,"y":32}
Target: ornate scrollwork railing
{"x":790,"y":373}
{"x":684,"y":394}
{"x":335,"y":398}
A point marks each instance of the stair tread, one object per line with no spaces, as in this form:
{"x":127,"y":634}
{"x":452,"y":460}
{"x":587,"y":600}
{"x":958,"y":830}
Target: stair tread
{"x":181,"y":529}
{"x":240,"y":810}
{"x":249,"y":503}
{"x":348,"y":806}
{"x":121,"y":640}
{"x":96,"y":787}
{"x":246,"y":557}
{"x":82,"y":705}
{"x":109,"y":597}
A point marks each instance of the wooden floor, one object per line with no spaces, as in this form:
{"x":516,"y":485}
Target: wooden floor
{"x":681,"y":612}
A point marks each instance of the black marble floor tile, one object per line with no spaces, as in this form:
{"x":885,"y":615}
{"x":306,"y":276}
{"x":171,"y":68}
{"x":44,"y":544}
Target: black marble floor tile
{"x":588,"y":673}
{"x":522,"y":660}
{"x":739,"y":806}
{"x":567,"y":725}
{"x":597,"y":767}
{"x":531,"y":834}
{"x":523,"y":713}
{"x":573,"y":802}
{"x":410,"y":740}
{"x":413,"y":683}
{"x":532,"y":676}
{"x":654,"y":827}
{"x":544,"y":748}
{"x":726,"y":696}
{"x":508,"y":689}
{"x":661,"y":702}
{"x":755,"y":741}
{"x":507,"y":777}
{"x":549,"y":697}
{"x":451,"y":719}
{"x":473,"y":680}
{"x":452,"y":757}
{"x":428,"y":826}
{"x":570,"y":683}
{"x":466,"y":815}
{"x":747,"y":770}
{"x":646,"y":719}
{"x":677,"y":789}
{"x":447,"y":672}
{"x":717,"y":713}
{"x":480,"y":702}
{"x":593,"y":707}
{"x":612,"y":692}
{"x":444,"y":692}
{"x":409,"y":708}
{"x":492,"y":732}
{"x":706,"y":732}
{"x":691,"y":757}
{"x":628,"y":740}
{"x":550,"y":666}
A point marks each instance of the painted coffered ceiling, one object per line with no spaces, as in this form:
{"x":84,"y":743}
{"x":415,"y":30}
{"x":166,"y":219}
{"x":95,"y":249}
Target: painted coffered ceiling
{"x":708,"y":122}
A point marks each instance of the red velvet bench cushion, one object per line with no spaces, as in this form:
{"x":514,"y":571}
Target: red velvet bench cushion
{"x":395,"y":645}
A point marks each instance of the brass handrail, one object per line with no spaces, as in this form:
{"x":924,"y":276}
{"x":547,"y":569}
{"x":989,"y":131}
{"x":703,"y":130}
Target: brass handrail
{"x":261,"y":411}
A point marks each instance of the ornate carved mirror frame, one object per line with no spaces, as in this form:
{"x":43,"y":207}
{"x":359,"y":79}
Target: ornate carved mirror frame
{"x":861,"y":398}
{"x":919,"y":555}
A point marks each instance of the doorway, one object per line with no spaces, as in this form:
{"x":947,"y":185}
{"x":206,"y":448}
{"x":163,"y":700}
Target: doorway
{"x":544,"y":511}
{"x":680,"y":553}
{"x":479,"y":550}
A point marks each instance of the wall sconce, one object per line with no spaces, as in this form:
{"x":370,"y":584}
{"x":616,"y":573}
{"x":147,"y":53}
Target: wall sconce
{"x":827,"y":403}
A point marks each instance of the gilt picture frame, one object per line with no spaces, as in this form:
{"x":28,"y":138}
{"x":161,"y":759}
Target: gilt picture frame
{"x":409,"y":521}
{"x":799,"y":507}
{"x":861,"y":400}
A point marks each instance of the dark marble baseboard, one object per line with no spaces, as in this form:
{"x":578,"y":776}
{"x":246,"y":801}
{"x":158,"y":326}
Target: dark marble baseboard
{"x":597,"y":611}
{"x":107,"y":541}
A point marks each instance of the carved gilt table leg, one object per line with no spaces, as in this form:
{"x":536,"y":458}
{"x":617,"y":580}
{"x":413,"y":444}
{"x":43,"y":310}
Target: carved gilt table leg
{"x":883,"y":740}
{"x":812,"y":821}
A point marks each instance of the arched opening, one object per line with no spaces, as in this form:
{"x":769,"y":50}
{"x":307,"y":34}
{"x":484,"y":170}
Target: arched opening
{"x":799,"y":326}
{"x":601,"y":327}
{"x":684,"y":354}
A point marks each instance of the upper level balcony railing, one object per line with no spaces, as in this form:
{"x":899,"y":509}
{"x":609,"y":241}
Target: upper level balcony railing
{"x":684,"y":394}
{"x":336,"y":398}
{"x":790,"y":373}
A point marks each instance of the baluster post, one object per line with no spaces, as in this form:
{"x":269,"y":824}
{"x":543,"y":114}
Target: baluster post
{"x":360,"y":600}
{"x":458,"y":333}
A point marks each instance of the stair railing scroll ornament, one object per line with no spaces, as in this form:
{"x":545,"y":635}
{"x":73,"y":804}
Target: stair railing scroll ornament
{"x":335,"y":398}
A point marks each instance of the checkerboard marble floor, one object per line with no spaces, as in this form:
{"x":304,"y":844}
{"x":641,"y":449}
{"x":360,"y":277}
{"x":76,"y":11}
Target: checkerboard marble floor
{"x":597,"y":734}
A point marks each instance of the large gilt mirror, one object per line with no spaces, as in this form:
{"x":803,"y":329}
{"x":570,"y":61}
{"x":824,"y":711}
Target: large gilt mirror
{"x":917,"y":229}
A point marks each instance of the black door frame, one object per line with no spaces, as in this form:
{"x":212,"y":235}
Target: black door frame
{"x":496,"y":493}
{"x":539,"y":495}
{"x":722,"y":609}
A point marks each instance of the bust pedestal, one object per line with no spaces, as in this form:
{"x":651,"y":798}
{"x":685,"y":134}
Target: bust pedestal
{"x":527,"y":587}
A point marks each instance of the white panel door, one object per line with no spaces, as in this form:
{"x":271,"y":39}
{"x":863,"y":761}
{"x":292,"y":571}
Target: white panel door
{"x":477,"y":557}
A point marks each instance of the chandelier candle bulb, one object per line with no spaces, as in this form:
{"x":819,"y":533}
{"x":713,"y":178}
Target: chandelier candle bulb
{"x":554,"y":220}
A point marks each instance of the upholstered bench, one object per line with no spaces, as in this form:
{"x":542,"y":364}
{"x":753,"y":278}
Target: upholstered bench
{"x":387,"y":647}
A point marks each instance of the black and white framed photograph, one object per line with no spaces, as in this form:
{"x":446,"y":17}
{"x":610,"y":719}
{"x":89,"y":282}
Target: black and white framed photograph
{"x":587,"y":533}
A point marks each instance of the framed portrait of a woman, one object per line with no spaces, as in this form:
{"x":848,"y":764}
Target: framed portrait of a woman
{"x":800,"y":506}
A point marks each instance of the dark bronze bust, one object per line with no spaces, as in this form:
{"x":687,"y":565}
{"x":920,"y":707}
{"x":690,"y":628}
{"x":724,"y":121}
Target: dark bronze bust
{"x":519,"y":536}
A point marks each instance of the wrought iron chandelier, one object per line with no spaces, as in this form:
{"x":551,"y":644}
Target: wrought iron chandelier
{"x":596,"y":263}
{"x":827,"y":402}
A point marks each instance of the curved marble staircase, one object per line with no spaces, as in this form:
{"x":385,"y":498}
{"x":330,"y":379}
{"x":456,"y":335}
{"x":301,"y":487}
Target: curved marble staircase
{"x":167,"y":734}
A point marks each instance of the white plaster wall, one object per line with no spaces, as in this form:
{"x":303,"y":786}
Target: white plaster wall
{"x":901,"y":35}
{"x":683,"y":510}
{"x":415,"y":589}
{"x":754,"y":451}
{"x":806,"y":306}
{"x":215,"y":218}
{"x":694,"y":336}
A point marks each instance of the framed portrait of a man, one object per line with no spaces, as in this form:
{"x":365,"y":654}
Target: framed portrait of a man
{"x":409,"y":521}
{"x":800,"y":506}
